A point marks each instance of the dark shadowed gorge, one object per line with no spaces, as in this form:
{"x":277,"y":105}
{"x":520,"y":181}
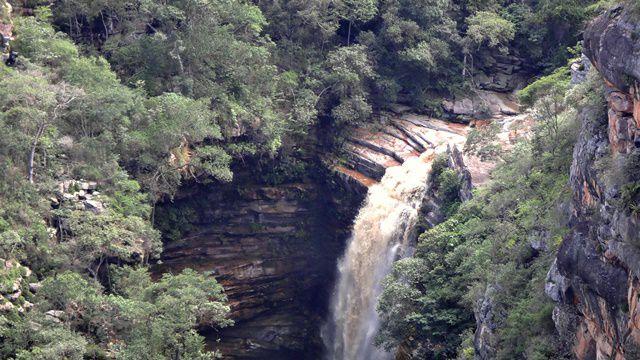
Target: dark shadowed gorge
{"x":322,"y":179}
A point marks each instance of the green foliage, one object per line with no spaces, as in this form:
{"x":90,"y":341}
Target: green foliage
{"x":55,"y":343}
{"x":632,"y":166}
{"x":174,"y":221}
{"x":162,"y":92}
{"x":481,"y":141}
{"x":630,"y":198}
{"x":556,"y":83}
{"x":415,"y":50}
{"x":621,"y":172}
{"x":166,"y":134}
{"x":485,"y":251}
{"x":127,"y":199}
{"x":490,"y":29}
{"x":349,"y":68}
{"x":140,"y":319}
{"x":357,"y":10}
{"x":449,"y":185}
{"x":285,"y":168}
{"x":529,"y":326}
{"x":63,"y":116}
{"x":42,"y":44}
{"x":96,"y":238}
{"x":174,"y":306}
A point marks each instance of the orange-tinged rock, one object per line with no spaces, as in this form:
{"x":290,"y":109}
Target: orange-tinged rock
{"x":584,"y":345}
{"x":634,"y":313}
{"x":480,"y":123}
{"x":621,"y":102}
{"x":361,"y":178}
{"x":636,"y":112}
{"x":587,"y":199}
{"x":613,"y":129}
{"x":622,"y":131}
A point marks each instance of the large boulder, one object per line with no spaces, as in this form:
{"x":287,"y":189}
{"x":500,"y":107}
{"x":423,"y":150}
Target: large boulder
{"x":611,"y":42}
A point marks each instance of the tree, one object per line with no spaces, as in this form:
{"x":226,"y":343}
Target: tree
{"x":490,"y":29}
{"x":107,"y":107}
{"x":30,"y":103}
{"x":139,"y":319}
{"x":484,"y":251}
{"x":422,"y":297}
{"x":96,"y":239}
{"x":413,"y":48}
{"x":356,"y":10}
{"x":158,"y":319}
{"x":64,"y":96}
{"x":40,"y":43}
{"x":547,"y":97}
{"x":348,"y":71}
{"x":486,"y":28}
{"x":171,"y":139}
{"x":206,"y":50}
{"x":55,"y":343}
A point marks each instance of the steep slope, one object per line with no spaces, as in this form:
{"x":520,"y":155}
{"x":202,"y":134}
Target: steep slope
{"x":273,"y":249}
{"x":595,"y":276}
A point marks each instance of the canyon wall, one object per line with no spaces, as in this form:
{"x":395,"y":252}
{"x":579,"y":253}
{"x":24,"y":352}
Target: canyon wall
{"x":595,"y":278}
{"x":273,"y":247}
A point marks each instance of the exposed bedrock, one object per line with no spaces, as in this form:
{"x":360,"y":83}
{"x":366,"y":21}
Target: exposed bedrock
{"x":368,"y":152}
{"x":595,"y":278}
{"x":611,"y":43}
{"x":274,"y":249}
{"x":400,"y":135}
{"x":499,"y":72}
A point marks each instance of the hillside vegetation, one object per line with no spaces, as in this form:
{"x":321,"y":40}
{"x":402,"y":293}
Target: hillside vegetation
{"x":113,"y":105}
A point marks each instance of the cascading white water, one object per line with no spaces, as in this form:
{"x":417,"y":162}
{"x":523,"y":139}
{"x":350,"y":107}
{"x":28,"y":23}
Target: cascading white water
{"x":382,"y":232}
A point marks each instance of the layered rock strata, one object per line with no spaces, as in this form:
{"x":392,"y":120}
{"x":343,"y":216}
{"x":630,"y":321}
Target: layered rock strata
{"x":273,"y":249}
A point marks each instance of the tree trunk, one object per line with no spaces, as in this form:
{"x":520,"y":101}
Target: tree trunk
{"x":464,"y":66}
{"x":34,"y":146}
{"x":104,"y":25}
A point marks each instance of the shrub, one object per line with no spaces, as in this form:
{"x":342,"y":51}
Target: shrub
{"x":630,"y":198}
{"x":449,"y":185}
{"x":557,"y":82}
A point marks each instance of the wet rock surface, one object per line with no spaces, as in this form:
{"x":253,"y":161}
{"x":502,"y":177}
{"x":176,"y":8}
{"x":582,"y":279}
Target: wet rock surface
{"x":370,"y":151}
{"x":275,"y":247}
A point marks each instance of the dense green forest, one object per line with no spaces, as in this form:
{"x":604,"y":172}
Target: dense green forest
{"x":113,"y":105}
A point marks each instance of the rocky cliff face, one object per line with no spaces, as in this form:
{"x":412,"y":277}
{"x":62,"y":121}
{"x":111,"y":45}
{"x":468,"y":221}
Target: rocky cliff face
{"x":402,"y":135}
{"x":498,"y":72}
{"x":273,"y":248}
{"x":595,"y":278}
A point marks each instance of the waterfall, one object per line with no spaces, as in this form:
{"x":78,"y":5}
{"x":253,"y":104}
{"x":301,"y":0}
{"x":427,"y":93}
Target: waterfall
{"x":382,"y":232}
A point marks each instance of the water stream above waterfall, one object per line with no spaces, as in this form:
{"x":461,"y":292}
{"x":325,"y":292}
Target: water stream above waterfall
{"x":382,"y":232}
